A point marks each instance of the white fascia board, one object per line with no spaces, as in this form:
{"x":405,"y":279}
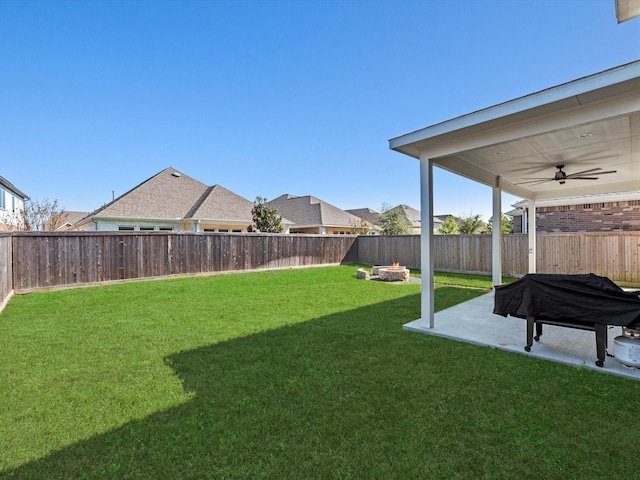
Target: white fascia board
{"x":219,"y":220}
{"x":578,"y":200}
{"x":565,"y":94}
{"x":325,"y":225}
{"x":284,"y":221}
{"x":514,"y":213}
{"x":99,"y":218}
{"x":302,"y":225}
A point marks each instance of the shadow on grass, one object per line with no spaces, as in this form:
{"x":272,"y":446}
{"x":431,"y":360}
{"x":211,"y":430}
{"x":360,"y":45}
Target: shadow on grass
{"x":352,"y":395}
{"x":282,"y":403}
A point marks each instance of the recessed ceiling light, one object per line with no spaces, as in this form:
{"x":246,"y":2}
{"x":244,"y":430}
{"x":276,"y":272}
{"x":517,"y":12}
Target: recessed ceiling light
{"x":499,"y":152}
{"x":584,"y":135}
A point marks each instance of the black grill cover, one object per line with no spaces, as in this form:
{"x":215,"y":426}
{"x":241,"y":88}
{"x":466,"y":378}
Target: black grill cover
{"x":587,"y":299}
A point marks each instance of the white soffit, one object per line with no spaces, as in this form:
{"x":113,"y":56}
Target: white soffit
{"x":627,"y":9}
{"x":592,"y":122}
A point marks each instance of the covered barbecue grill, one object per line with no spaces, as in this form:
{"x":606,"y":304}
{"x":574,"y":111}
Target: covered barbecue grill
{"x":587,"y":302}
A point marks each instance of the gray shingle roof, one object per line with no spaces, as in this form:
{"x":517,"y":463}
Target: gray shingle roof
{"x":410,"y":214}
{"x":69,"y":218}
{"x":173,"y":195}
{"x":218,"y":203}
{"x":367,"y":214}
{"x":311,"y":211}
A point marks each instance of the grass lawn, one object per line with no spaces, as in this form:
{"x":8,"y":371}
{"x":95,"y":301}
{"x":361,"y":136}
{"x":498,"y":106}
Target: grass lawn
{"x":295,"y":374}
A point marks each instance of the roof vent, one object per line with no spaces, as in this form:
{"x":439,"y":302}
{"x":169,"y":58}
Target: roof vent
{"x":176,"y":174}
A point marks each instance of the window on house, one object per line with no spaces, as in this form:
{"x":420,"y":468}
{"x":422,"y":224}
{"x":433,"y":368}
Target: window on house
{"x":209,"y":230}
{"x":224,"y":230}
{"x":125,"y":228}
{"x":2,"y":199}
{"x":237,"y":230}
{"x":147,"y":228}
{"x":166,"y":229}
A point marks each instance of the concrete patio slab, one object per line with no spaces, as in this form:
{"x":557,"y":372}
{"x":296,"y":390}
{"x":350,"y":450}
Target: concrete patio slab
{"x":474,"y":322}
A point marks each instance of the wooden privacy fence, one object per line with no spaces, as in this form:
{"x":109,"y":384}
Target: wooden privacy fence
{"x":614,"y":255}
{"x":6,"y":274}
{"x":31,"y":261}
{"x":455,"y":253}
{"x":46,"y":260}
{"x":385,"y":250}
{"x":472,"y":254}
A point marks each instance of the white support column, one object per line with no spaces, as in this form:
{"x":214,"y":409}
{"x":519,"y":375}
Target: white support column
{"x":426,"y":241}
{"x":496,"y":235}
{"x":532,"y":236}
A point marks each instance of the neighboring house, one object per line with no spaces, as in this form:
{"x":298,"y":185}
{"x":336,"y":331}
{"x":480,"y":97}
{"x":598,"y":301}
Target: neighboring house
{"x":66,"y":220}
{"x":611,"y":212}
{"x":367,"y":214}
{"x":369,"y":219}
{"x":173,"y":201}
{"x":312,"y":215}
{"x":11,"y":205}
{"x":438,"y":221}
{"x":412,"y":216}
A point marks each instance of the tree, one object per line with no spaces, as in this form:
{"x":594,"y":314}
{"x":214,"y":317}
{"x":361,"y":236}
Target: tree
{"x":506,"y":225}
{"x":449,"y":227}
{"x":392,"y":222}
{"x":265,"y":218}
{"x":360,"y":227}
{"x":39,"y":215}
{"x":470,"y":224}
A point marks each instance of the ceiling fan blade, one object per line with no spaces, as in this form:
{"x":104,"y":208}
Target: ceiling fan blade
{"x":582,"y":178}
{"x":536,"y":182}
{"x":577,"y":174}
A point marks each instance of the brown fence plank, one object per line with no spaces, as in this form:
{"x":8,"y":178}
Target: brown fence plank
{"x":58,"y":259}
{"x":611,"y":254}
{"x":43,"y":260}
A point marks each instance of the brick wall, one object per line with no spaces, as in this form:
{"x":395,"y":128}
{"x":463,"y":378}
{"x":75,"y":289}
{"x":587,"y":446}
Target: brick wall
{"x":588,"y":217}
{"x":517,"y":224}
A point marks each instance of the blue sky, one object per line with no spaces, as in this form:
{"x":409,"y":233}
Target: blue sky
{"x":273,"y":97}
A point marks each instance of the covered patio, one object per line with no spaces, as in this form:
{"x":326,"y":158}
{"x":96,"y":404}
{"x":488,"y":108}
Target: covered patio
{"x":575,"y":139}
{"x":472,"y":322}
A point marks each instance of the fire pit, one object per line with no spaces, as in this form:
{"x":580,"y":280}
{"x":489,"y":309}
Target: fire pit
{"x":394,"y":273}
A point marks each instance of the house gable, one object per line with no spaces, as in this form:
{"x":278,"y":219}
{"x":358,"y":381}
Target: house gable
{"x":171,"y":200}
{"x":367,"y":214}
{"x":219,"y":203}
{"x":312,"y":215}
{"x":167,"y":195}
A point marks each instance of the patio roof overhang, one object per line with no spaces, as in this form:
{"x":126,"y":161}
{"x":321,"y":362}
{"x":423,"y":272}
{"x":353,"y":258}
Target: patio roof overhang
{"x":627,"y":9}
{"x":589,"y":123}
{"x":593,"y":122}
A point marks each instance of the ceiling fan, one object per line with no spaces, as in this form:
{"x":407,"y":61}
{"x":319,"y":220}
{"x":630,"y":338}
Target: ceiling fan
{"x":561,"y":176}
